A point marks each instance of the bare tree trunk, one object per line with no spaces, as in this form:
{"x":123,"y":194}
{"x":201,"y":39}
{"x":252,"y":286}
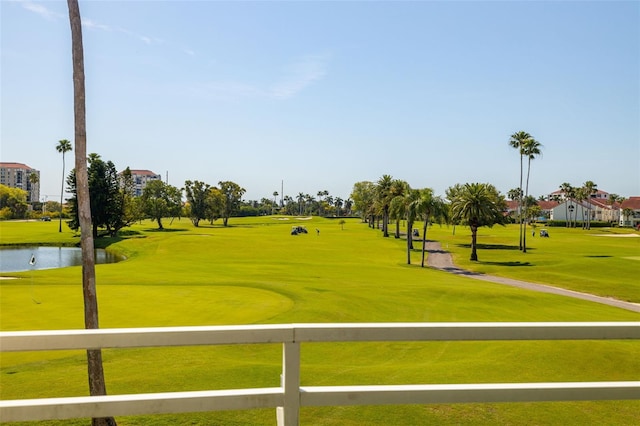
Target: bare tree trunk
{"x":474,"y":234}
{"x":94,"y":357}
{"x":424,"y":239}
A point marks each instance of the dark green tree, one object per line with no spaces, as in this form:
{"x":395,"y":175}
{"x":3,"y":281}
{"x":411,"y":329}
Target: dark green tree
{"x":232,"y":193}
{"x":106,"y":199}
{"x":197,"y":194}
{"x":476,"y":205}
{"x":161,"y":200}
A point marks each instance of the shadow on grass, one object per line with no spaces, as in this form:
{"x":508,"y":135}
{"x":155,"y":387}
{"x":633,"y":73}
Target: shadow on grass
{"x":599,"y":255}
{"x":492,"y":247}
{"x":105,"y":241}
{"x":165,"y":230}
{"x":507,"y":263}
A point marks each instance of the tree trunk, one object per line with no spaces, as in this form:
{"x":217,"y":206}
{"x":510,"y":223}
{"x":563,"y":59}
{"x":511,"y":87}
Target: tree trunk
{"x":94,"y":356}
{"x":520,"y":203}
{"x":385,"y":222}
{"x":61,"y":194}
{"x":409,"y":242}
{"x":424,"y":239}
{"x":160,"y":223}
{"x":474,"y":234}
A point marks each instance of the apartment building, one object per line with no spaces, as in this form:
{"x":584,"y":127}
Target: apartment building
{"x":140,"y":179}
{"x":19,"y":175}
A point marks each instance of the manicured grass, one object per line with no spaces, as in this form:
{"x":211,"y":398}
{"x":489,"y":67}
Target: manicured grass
{"x":256,"y":272}
{"x":601,"y":261}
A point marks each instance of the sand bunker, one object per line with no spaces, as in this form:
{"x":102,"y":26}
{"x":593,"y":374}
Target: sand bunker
{"x":618,"y":235}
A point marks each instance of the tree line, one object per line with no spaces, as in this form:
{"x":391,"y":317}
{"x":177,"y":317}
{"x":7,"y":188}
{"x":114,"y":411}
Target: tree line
{"x":114,"y":205}
{"x":391,"y":201}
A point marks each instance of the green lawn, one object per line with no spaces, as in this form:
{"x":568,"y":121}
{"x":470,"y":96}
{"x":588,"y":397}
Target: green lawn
{"x":256,"y":272}
{"x":601,"y":261}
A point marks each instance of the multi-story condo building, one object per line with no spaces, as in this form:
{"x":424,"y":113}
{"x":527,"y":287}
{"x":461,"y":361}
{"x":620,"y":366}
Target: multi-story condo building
{"x":140,"y":179}
{"x":18,"y":175}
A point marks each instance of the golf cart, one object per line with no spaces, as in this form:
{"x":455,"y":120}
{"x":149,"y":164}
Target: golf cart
{"x":295,"y":230}
{"x":544,"y":233}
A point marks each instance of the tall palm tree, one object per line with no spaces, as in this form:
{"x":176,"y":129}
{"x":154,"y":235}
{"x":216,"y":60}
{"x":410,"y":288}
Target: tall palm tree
{"x":517,"y":141}
{"x":398,"y":190}
{"x":409,"y":200}
{"x":612,"y":199}
{"x":300,"y":199}
{"x":590,"y":188}
{"x":429,"y":208}
{"x":275,"y":197}
{"x":94,"y":356}
{"x":32,"y":181}
{"x":531,"y":149}
{"x":566,"y":189}
{"x":478,"y":204}
{"x":383,"y":197}
{"x":62,"y":147}
{"x":338,"y":202}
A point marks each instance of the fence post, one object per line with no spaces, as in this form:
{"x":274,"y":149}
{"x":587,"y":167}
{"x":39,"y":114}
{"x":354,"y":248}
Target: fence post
{"x":290,"y":413}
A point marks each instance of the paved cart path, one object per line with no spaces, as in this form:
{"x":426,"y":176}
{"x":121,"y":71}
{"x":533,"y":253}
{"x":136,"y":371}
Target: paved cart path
{"x":441,"y":259}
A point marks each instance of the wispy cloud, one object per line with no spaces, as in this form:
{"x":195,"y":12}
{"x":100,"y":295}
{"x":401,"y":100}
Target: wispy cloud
{"x":297,"y":76}
{"x":41,"y":10}
{"x":91,"y":24}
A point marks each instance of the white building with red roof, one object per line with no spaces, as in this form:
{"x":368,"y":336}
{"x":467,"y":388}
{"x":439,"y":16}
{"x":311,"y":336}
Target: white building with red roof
{"x":630,"y":212}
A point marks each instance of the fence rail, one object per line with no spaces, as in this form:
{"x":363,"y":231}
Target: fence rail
{"x":290,"y":396}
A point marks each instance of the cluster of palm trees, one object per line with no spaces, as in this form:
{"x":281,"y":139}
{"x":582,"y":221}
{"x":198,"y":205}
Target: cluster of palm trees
{"x":579,"y":195}
{"x":528,"y":148}
{"x":393,"y":200}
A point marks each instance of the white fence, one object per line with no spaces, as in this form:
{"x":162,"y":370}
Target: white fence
{"x":290,"y":396}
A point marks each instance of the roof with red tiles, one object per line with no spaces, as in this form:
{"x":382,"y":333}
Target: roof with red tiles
{"x":143,"y":172}
{"x":10,"y":165}
{"x":632,"y":203}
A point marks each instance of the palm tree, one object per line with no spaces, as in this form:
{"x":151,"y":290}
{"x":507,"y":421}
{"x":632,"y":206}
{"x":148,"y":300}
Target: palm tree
{"x":531,"y":149}
{"x":94,"y":356}
{"x":275,"y":197}
{"x":566,"y":189}
{"x":478,"y":204}
{"x":612,"y":200}
{"x":300,"y":199}
{"x":62,"y":147}
{"x":409,"y":200}
{"x":518,"y":141}
{"x":429,"y":208}
{"x":383,"y":197}
{"x":399,"y":189}
{"x":590,"y":188}
{"x":338,"y":202}
{"x":32,"y":180}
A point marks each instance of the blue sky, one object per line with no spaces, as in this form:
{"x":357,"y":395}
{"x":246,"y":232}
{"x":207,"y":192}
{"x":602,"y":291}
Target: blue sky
{"x":323,"y":94}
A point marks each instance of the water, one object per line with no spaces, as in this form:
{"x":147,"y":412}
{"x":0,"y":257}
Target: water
{"x":18,"y":259}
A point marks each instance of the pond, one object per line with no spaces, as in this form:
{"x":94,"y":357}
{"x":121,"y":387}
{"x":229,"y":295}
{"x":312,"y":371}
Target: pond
{"x":24,"y":258}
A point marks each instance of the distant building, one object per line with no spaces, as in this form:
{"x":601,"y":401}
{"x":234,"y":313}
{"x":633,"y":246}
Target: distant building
{"x":18,"y":175}
{"x":631,"y":206}
{"x":599,"y":195}
{"x":140,"y":179}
